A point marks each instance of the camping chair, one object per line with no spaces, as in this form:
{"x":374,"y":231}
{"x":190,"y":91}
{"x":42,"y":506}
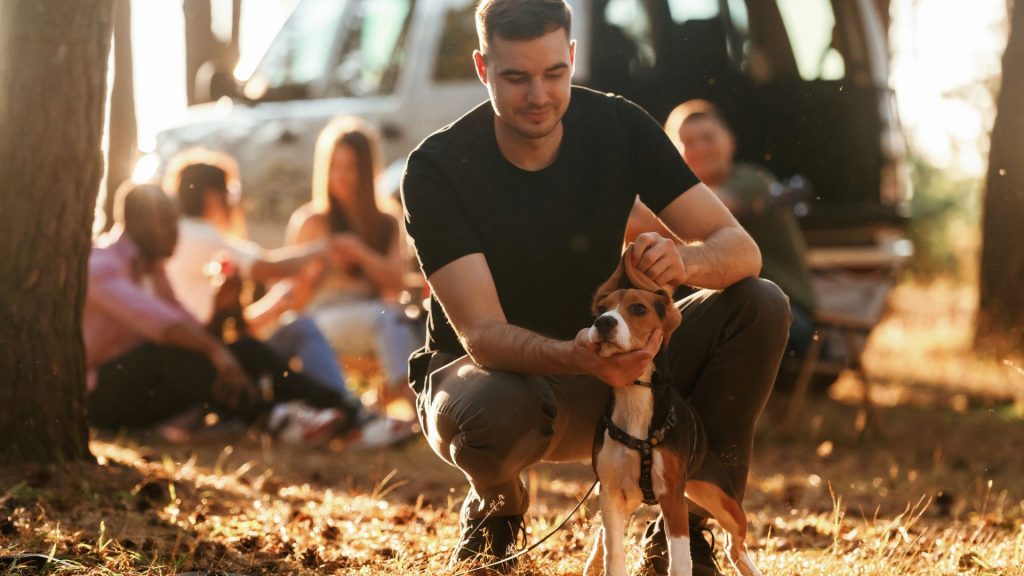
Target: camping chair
{"x":852,"y":286}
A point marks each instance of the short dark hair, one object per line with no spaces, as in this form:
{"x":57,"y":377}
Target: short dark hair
{"x":521,"y":19}
{"x":193,"y":182}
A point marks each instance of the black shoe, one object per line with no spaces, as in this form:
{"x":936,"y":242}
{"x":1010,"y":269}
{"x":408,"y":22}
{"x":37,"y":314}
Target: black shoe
{"x":655,"y":544}
{"x":490,"y":539}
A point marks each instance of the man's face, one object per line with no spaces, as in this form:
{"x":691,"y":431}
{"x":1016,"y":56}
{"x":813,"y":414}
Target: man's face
{"x":708,"y":147}
{"x":529,"y":81}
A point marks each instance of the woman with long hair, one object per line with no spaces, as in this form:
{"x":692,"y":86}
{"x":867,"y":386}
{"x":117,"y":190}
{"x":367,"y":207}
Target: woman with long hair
{"x":354,"y":303}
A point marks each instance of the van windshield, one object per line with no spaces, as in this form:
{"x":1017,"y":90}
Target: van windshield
{"x":300,"y":52}
{"x":372,"y":48}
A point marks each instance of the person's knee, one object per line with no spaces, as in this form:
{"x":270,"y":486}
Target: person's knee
{"x":301,"y":328}
{"x":505,"y":423}
{"x":762,"y":302}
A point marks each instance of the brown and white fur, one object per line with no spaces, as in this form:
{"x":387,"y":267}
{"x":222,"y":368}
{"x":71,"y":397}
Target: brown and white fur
{"x":630,"y":307}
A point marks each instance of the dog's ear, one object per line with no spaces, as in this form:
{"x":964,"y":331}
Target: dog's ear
{"x":636,"y":278}
{"x":671,"y":317}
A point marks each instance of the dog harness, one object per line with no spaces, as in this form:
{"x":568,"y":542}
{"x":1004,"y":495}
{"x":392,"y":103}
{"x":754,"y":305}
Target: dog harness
{"x":644,"y":447}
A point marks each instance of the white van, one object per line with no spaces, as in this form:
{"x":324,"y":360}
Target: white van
{"x":803,"y":82}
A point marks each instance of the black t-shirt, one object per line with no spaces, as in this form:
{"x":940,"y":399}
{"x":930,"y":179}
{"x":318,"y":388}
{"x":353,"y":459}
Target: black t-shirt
{"x":552,"y":236}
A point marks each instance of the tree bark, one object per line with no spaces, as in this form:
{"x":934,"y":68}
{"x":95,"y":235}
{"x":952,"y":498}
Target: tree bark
{"x":200,"y":43}
{"x":53,"y":69}
{"x":123,"y":133}
{"x":1000,"y":321}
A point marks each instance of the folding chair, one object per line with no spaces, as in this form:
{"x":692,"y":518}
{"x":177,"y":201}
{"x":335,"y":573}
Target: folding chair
{"x":852,"y":287}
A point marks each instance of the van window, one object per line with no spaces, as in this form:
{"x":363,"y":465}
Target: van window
{"x":810,"y":25}
{"x":705,"y":33}
{"x":458,"y":40}
{"x":630,"y":20}
{"x":372,"y":48}
{"x":301,"y":50}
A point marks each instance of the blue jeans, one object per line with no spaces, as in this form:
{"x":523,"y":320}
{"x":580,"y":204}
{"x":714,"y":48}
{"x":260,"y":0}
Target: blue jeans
{"x":301,"y":339}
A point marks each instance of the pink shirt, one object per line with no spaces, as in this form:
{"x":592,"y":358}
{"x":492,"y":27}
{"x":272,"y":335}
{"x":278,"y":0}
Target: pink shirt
{"x":126,"y":304}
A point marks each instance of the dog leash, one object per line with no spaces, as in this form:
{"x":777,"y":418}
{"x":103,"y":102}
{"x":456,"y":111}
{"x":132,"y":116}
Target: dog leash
{"x":534,"y":546}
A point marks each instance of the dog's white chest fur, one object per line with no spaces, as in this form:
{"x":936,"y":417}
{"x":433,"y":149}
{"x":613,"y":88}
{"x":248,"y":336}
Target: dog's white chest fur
{"x":618,"y":466}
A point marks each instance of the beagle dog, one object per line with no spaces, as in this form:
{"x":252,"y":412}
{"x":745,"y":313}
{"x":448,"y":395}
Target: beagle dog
{"x":650,"y":446}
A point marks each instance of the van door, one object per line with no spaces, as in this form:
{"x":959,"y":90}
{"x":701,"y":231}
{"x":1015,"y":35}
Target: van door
{"x":802,"y":82}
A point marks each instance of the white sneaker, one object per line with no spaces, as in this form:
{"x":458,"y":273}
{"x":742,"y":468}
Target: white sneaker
{"x":381,"y":432}
{"x":299,"y":424}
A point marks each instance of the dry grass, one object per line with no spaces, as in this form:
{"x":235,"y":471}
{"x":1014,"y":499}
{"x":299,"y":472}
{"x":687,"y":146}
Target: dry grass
{"x":942,"y":493}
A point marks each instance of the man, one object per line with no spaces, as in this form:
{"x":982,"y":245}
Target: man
{"x":759,"y":203}
{"x":149,"y":360}
{"x":517,"y":212}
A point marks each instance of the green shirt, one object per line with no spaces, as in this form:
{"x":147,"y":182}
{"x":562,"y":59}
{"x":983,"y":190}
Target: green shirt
{"x":773,"y":228}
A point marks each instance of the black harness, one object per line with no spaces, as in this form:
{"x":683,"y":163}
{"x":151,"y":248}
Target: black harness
{"x":655,"y":436}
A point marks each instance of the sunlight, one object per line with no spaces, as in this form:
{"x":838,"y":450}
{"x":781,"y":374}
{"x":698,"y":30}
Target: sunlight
{"x":943,"y":53}
{"x":158,"y":37}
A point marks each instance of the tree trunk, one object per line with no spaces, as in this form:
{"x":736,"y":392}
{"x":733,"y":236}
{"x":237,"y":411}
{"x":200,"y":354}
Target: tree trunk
{"x":1000,"y":322}
{"x":200,"y":44}
{"x":53,"y":70}
{"x":123,"y":138}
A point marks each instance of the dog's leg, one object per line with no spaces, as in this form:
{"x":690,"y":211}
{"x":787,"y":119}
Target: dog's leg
{"x":669,"y":478}
{"x":595,"y":561}
{"x":730,"y":516}
{"x":613,"y":515}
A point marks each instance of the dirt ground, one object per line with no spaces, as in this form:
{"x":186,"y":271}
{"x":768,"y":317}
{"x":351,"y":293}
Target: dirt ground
{"x":941,"y":491}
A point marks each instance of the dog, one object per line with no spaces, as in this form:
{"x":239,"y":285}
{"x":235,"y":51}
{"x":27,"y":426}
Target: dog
{"x":650,"y":446}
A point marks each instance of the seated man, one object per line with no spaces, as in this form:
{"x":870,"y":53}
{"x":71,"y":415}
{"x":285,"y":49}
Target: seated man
{"x":703,"y":137}
{"x":149,"y":360}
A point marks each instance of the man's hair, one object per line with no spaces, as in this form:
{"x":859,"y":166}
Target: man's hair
{"x":690,"y":111}
{"x":194,"y":181}
{"x":131,"y":200}
{"x":220,"y":172}
{"x":520,"y":19}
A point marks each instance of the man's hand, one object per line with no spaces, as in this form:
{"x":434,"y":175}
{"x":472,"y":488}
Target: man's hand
{"x":659,"y":259}
{"x":232,"y":384}
{"x":617,"y":370}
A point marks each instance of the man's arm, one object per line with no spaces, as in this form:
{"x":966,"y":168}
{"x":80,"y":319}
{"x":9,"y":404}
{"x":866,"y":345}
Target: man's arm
{"x":165,"y":323}
{"x":466,"y":289}
{"x":716,"y":251}
{"x":231,"y":383}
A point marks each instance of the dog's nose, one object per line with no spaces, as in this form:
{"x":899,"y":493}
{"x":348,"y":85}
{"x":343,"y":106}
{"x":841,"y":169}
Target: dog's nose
{"x":605,"y":324}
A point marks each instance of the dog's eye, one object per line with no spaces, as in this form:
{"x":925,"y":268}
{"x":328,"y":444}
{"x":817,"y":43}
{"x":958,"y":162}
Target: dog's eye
{"x":601,"y":310}
{"x":638,"y":309}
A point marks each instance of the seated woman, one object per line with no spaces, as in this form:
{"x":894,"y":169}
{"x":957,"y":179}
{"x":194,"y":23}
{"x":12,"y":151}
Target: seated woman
{"x":354,"y":303}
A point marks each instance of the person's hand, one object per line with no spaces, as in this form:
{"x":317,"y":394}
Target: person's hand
{"x":345,"y":249}
{"x":617,"y":370}
{"x":658,"y":258}
{"x":231,"y":384}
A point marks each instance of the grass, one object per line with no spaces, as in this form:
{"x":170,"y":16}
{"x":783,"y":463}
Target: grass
{"x":942,"y":493}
